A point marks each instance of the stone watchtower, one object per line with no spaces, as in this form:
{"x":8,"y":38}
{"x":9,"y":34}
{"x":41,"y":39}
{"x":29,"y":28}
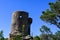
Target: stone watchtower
{"x":20,"y":25}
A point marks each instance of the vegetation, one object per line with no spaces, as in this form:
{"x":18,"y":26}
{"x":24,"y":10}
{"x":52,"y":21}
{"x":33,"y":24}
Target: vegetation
{"x":1,"y":35}
{"x":46,"y":34}
{"x":36,"y":38}
{"x":51,"y":16}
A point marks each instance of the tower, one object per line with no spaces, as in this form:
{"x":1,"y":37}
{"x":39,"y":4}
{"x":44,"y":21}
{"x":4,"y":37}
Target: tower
{"x":20,"y":25}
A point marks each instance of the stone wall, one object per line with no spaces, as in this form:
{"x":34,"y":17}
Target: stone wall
{"x":20,"y":24}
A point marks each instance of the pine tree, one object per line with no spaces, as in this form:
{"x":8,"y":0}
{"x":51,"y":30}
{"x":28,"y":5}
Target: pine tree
{"x":52,"y":15}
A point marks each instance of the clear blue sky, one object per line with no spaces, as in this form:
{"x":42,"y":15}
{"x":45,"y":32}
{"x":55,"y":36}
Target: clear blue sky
{"x":34,"y":7}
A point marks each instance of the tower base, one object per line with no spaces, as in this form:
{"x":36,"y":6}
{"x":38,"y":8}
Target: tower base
{"x":20,"y":37}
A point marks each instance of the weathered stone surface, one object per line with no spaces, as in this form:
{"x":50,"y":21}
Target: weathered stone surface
{"x":20,"y":24}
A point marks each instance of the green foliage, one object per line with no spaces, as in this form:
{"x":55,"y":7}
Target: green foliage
{"x":43,"y":37}
{"x":57,"y":34}
{"x":17,"y":38}
{"x":45,"y":30}
{"x":5,"y":38}
{"x":36,"y":38}
{"x":52,"y":15}
{"x":1,"y":35}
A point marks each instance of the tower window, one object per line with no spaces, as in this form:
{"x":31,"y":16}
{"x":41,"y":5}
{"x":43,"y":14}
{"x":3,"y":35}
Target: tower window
{"x":20,"y":16}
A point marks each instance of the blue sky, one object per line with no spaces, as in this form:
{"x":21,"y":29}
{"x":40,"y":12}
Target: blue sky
{"x":34,"y":7}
